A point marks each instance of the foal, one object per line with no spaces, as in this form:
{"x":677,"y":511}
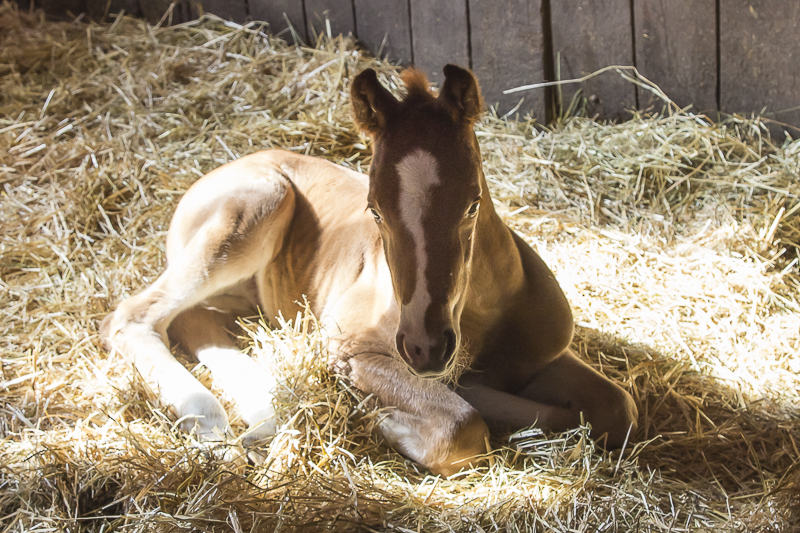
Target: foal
{"x":408,"y":271}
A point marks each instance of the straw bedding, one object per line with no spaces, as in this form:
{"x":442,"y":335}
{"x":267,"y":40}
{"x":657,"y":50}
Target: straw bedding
{"x":675,"y":240}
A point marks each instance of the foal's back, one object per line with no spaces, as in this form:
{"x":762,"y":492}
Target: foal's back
{"x":329,"y":247}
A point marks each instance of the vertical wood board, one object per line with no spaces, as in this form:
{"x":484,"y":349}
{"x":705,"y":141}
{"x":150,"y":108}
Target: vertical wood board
{"x":384,"y":27}
{"x":101,"y":9}
{"x":439,"y":35}
{"x":153,"y":11}
{"x":272,"y":12}
{"x":339,"y":12}
{"x":63,"y":8}
{"x":235,"y":10}
{"x":590,"y":35}
{"x":507,"y":52}
{"x":760,"y":58}
{"x":25,"y":5}
{"x":676,"y":48}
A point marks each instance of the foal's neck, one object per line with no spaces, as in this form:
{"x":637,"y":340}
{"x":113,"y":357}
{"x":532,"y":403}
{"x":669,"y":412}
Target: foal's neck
{"x":496,"y":273}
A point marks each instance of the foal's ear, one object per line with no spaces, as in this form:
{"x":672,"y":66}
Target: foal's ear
{"x":461,"y":93}
{"x":372,"y":103}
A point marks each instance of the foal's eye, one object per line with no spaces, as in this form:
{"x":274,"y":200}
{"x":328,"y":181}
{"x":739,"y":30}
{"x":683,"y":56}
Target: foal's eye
{"x":473,"y":209}
{"x":376,"y":215}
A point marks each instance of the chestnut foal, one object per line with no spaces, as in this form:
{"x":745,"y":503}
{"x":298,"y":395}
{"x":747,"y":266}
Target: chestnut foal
{"x":408,"y":271}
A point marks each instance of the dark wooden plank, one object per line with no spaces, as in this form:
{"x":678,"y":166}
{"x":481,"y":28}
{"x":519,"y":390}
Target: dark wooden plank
{"x":101,"y":9}
{"x":26,"y":5}
{"x":439,"y":32}
{"x":590,"y":35}
{"x":65,"y":9}
{"x":384,"y":27}
{"x":235,"y":10}
{"x":153,"y":10}
{"x":339,"y":12}
{"x":272,"y":12}
{"x":676,"y":49}
{"x":760,"y":58}
{"x":507,"y":52}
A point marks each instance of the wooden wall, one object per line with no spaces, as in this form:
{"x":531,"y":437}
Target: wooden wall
{"x":716,"y":55}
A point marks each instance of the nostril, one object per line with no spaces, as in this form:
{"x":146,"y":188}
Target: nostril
{"x":450,"y":344}
{"x":400,"y":340}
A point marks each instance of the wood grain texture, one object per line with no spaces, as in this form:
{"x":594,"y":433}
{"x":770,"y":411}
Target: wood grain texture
{"x":760,"y":58}
{"x":273,"y":11}
{"x":676,"y":48}
{"x":384,"y":27}
{"x":590,"y":35}
{"x":508,"y":51}
{"x":339,"y":12}
{"x":235,"y":10}
{"x":439,"y":32}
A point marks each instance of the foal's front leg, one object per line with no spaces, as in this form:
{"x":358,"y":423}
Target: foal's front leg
{"x":427,"y":422}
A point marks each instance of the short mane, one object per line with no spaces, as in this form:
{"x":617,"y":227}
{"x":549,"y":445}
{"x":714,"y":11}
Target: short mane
{"x":416,"y":83}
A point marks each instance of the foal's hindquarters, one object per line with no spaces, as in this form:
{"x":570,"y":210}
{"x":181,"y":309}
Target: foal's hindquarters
{"x":259,"y":234}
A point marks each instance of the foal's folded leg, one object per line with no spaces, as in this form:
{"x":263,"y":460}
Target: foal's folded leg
{"x":204,"y":333}
{"x":137,"y":329}
{"x":556,"y":399}
{"x":426,"y":421}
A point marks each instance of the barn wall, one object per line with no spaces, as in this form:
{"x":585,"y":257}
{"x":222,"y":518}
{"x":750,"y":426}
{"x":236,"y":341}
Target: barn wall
{"x":734,"y":56}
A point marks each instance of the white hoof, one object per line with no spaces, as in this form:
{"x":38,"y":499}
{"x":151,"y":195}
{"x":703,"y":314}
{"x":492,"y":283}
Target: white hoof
{"x":203,"y":416}
{"x":260,"y":433}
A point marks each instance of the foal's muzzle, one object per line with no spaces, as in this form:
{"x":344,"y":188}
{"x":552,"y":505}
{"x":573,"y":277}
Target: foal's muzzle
{"x":427,"y":355}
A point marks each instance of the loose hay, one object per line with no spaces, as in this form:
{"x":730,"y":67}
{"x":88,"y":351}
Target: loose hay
{"x":674,"y":238}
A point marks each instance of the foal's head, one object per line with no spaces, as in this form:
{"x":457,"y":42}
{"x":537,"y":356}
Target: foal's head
{"x":425,"y":192}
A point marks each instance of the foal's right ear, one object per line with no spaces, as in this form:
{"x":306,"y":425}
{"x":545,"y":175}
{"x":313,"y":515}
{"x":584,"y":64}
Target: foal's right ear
{"x":372,"y":103}
{"x":461,"y":93}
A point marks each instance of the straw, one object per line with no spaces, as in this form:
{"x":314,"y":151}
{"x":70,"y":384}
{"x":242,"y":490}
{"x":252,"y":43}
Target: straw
{"x":674,"y":238}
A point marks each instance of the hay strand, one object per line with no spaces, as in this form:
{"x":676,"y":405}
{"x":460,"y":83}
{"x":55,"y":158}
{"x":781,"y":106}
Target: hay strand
{"x":674,"y":238}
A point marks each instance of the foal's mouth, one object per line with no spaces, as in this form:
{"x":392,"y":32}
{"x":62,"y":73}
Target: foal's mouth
{"x":448,"y":373}
{"x":426,"y":353}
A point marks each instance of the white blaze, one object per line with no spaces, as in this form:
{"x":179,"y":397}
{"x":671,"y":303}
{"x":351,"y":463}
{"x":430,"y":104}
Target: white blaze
{"x":418,"y":173}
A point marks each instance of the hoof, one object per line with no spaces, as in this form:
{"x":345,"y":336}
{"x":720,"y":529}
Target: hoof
{"x":466,"y":449}
{"x":616,"y":423}
{"x":202,"y":415}
{"x":257,"y":438}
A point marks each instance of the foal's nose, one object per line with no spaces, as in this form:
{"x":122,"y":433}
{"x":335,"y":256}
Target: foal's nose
{"x":427,"y":354}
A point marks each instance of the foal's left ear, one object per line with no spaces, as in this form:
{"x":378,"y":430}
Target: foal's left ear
{"x":372,"y":102}
{"x":461,"y":93}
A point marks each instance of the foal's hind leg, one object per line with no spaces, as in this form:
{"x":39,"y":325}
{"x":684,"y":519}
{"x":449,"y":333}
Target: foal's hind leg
{"x":226,"y":228}
{"x":554,"y":400}
{"x":571,"y":384}
{"x":205,"y":333}
{"x":137,"y":329}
